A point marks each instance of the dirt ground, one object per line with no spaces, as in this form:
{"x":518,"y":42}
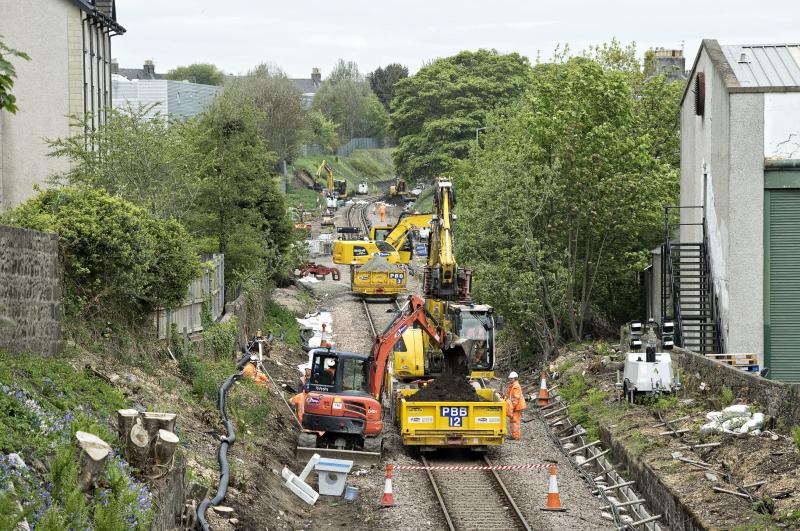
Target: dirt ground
{"x":771,"y":457}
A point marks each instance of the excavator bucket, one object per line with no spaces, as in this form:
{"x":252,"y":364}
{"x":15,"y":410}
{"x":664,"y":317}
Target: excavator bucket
{"x":457,"y":354}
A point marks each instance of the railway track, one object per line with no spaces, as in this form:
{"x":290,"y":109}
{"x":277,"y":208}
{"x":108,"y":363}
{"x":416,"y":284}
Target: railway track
{"x":474,"y":500}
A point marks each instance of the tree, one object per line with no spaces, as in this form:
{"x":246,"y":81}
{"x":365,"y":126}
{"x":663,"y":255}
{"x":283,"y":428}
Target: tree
{"x":383,"y":80}
{"x":203,"y":73}
{"x":560,"y":207}
{"x":119,"y":262}
{"x":283,"y":123}
{"x":320,"y":130}
{"x":435,"y":113}
{"x":346,"y":99}
{"x":136,"y":154}
{"x":240,"y":211}
{"x":7,"y":75}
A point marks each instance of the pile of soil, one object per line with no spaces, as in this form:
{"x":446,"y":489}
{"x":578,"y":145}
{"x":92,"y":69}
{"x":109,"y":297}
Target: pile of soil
{"x":447,"y":388}
{"x":378,"y":263}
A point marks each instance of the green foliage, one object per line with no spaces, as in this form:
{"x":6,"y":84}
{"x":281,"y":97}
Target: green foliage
{"x":203,"y":73}
{"x":283,"y":117}
{"x":220,"y":339}
{"x":560,"y":205}
{"x":436,"y":111}
{"x":574,"y":388}
{"x":382,"y":81}
{"x":726,"y":396}
{"x":10,"y":513}
{"x":320,"y":130}
{"x":240,"y":211}
{"x":209,"y":375}
{"x":119,"y":262}
{"x":346,"y":99}
{"x":796,"y":436}
{"x":247,"y":406}
{"x":120,"y":507}
{"x":136,"y":154}
{"x":7,"y":74}
{"x":277,"y":318}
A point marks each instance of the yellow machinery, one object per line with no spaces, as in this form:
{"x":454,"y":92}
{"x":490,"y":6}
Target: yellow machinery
{"x":447,"y":290}
{"x":395,"y":247}
{"x":387,"y":281}
{"x":399,"y":188}
{"x":436,"y":424}
{"x":336,"y":188}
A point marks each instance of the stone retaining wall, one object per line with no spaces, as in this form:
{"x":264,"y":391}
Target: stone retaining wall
{"x":30,"y":291}
{"x":781,"y":400}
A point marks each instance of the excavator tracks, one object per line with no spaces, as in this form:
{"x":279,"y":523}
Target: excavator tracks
{"x":473,"y":500}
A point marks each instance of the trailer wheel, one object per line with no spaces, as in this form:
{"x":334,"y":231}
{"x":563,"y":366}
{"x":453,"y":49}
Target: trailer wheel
{"x":374,"y":444}
{"x":307,"y":440}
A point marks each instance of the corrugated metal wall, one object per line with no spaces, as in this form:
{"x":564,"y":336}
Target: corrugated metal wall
{"x":187,"y":318}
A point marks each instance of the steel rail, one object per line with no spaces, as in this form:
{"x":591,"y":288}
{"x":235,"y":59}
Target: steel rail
{"x":501,"y":488}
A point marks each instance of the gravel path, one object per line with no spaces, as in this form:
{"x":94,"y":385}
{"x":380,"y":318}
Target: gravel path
{"x":417,"y":507}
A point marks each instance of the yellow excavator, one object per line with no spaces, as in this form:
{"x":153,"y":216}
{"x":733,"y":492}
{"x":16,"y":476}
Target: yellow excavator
{"x":393,"y":243}
{"x":336,"y":188}
{"x":447,"y":289}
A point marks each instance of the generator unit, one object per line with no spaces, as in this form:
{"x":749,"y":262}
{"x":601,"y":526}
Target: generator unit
{"x":647,"y":371}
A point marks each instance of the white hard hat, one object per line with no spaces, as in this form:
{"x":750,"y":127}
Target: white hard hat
{"x":330,"y":362}
{"x":513,"y":374}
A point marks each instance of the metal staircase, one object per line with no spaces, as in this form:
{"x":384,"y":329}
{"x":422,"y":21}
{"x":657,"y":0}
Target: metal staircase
{"x":687,"y":289}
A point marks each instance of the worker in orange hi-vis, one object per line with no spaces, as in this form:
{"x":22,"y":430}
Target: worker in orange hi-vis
{"x":515,"y":405}
{"x":383,"y":212}
{"x":299,"y":401}
{"x":251,"y":371}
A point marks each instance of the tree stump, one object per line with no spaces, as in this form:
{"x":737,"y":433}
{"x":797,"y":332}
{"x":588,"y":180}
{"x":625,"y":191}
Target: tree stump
{"x":164,"y":448}
{"x":94,"y":454}
{"x":138,"y":444}
{"x":158,"y":421}
{"x":126,"y":418}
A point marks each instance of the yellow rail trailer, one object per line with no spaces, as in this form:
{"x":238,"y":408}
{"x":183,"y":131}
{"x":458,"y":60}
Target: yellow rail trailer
{"x":448,"y":424}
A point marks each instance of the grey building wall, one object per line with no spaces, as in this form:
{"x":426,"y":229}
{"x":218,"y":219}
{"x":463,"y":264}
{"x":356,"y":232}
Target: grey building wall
{"x":30,"y":291}
{"x":744,"y":315}
{"x":722,"y":169}
{"x":178,"y":99}
{"x":40,"y":29}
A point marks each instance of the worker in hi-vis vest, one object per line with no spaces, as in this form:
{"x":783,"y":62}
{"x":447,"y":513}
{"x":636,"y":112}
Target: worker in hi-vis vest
{"x":515,"y":405}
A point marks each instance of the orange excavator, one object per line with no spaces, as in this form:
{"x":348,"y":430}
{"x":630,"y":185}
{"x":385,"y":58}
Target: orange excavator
{"x":346,"y":402}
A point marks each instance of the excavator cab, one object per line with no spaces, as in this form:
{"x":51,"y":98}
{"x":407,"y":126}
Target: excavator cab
{"x":339,"y":372}
{"x":474,"y":327}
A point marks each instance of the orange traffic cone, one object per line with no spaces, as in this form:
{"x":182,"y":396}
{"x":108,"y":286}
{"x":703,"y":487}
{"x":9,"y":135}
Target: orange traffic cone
{"x":544,"y":396}
{"x":553,"y":498}
{"x":387,"y":500}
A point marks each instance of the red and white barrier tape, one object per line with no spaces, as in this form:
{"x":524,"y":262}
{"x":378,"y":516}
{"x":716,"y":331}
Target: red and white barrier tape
{"x":495,"y":467}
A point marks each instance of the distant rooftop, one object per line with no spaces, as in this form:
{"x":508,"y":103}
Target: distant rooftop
{"x":764,"y":65}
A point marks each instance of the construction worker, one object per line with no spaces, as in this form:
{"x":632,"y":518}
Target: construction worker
{"x":298,"y":401}
{"x":305,"y":379}
{"x":383,"y":212}
{"x":515,"y":405}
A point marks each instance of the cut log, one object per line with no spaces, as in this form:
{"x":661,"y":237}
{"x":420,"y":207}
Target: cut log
{"x":94,"y":454}
{"x":138,"y":446}
{"x":158,"y":421}
{"x":164,"y":448}
{"x":126,"y":418}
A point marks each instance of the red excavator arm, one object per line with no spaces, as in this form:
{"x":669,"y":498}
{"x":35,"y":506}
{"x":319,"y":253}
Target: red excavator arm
{"x":413,"y":312}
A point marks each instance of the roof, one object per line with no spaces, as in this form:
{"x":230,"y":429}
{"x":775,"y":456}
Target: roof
{"x":104,"y":11}
{"x":138,"y":73}
{"x":763,"y":68}
{"x":765,"y":65}
{"x":306,"y":86}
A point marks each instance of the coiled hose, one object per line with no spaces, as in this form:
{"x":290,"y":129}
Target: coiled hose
{"x":226,"y":442}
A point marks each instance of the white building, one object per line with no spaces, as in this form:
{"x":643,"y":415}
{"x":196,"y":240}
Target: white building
{"x":735,"y":269}
{"x":178,"y":99}
{"x":69,"y":43}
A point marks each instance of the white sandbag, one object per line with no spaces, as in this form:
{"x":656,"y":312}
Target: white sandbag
{"x":713,"y":415}
{"x":739,"y":410}
{"x":732,"y":425}
{"x":755,"y":422}
{"x":710,"y":428}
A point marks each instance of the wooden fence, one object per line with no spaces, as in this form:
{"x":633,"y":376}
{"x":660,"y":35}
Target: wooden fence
{"x":210,"y":286}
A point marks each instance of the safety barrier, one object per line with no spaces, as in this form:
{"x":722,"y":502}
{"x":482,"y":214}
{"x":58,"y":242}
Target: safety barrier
{"x":553,"y":498}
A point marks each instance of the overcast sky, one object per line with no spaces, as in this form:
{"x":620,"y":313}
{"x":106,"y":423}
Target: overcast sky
{"x":298,"y":35}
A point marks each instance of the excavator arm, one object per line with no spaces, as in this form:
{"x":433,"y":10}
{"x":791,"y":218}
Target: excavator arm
{"x":442,"y":273}
{"x":399,"y":233}
{"x":327,"y":169}
{"x":412,"y":313}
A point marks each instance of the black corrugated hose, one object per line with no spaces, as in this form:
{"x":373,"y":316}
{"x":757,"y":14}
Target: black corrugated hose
{"x":226,"y":442}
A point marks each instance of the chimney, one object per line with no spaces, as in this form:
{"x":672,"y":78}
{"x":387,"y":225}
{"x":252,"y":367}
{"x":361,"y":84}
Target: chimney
{"x":316,"y":77}
{"x":149,"y":69}
{"x":114,"y":66}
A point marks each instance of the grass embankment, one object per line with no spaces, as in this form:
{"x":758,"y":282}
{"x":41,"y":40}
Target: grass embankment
{"x":425,"y":200}
{"x":371,"y":165}
{"x":45,"y":400}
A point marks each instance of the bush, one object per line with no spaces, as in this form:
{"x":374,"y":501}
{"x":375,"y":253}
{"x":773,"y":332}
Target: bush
{"x":796,"y":436}
{"x":726,"y":396}
{"x":220,"y":340}
{"x":119,"y":262}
